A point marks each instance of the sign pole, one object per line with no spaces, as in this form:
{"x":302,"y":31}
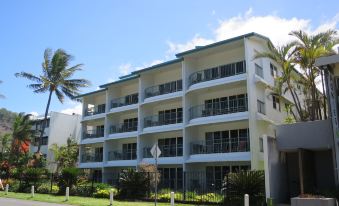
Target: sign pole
{"x":156,"y":175}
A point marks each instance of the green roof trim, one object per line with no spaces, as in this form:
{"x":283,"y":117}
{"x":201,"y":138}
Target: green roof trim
{"x":89,"y":93}
{"x":159,"y":65}
{"x":122,"y":79}
{"x":200,"y":48}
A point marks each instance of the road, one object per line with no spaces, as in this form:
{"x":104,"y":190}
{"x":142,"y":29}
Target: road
{"x":16,"y":202}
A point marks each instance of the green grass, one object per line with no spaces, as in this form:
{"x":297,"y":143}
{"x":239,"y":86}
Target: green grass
{"x":80,"y":201}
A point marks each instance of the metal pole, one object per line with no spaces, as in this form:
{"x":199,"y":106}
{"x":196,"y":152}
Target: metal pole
{"x":6,"y":192}
{"x":32,"y":191}
{"x":156,"y":175}
{"x":67,"y":193}
{"x":111,"y":197}
{"x":247,"y":200}
{"x":172,"y":198}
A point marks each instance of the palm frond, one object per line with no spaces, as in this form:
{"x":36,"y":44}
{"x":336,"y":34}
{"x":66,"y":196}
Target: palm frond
{"x":29,"y":76}
{"x":59,"y":95}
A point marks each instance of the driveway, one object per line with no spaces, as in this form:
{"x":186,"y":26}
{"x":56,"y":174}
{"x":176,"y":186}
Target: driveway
{"x":16,"y":202}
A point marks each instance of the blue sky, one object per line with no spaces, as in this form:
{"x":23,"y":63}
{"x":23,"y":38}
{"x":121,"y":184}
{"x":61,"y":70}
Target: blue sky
{"x":112,"y":38}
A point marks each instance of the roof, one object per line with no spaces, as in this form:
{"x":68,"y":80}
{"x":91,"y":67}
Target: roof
{"x":173,"y":61}
{"x":122,"y":79}
{"x":322,"y":61}
{"x":89,"y":93}
{"x":200,"y":48}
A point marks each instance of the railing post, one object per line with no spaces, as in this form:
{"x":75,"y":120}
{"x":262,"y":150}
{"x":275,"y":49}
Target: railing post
{"x":247,"y":200}
{"x":6,"y":191}
{"x":67,"y":194}
{"x":32,"y":191}
{"x":172,"y":198}
{"x":111,"y":197}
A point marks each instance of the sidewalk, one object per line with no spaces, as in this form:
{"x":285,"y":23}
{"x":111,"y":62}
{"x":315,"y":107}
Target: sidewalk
{"x":16,"y":202}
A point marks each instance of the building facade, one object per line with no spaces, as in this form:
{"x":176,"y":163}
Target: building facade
{"x":207,"y":110}
{"x":59,"y":128}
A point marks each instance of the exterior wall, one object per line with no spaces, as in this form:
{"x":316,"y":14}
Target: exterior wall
{"x":192,"y":95}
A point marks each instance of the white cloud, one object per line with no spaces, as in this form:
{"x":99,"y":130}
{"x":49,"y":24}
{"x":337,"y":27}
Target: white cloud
{"x":75,"y":107}
{"x":125,"y":69}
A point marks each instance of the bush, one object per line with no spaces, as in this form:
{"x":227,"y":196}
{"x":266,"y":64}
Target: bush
{"x":245,"y":182}
{"x":105,"y":193}
{"x":84,"y":190}
{"x":45,"y":189}
{"x":133,"y":185}
{"x":68,"y":178}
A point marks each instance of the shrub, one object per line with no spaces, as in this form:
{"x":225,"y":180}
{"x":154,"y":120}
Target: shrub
{"x":45,"y":189}
{"x":105,"y":193}
{"x":84,"y":190}
{"x":133,"y":185}
{"x":68,"y":178}
{"x":245,"y":182}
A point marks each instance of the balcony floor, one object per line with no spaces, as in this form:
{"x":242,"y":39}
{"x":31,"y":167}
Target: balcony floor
{"x":220,"y":157}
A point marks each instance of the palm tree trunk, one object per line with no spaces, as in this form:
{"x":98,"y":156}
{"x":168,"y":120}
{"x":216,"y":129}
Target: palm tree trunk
{"x":45,"y":120}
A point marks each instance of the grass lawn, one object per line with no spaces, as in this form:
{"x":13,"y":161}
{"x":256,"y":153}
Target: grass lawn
{"x":80,"y":201}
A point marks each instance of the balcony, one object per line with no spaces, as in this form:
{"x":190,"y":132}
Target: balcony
{"x":166,"y":88}
{"x":122,"y":155}
{"x":261,"y":107}
{"x":89,"y":134}
{"x":207,"y":110}
{"x":166,"y":119}
{"x":95,"y":110}
{"x":125,"y":101}
{"x":217,"y":72}
{"x":91,"y":158}
{"x":203,"y":147}
{"x":166,"y":151}
{"x":123,"y":127}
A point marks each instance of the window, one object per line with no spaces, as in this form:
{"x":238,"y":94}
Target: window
{"x":101,"y":108}
{"x":170,"y":147}
{"x":274,"y":70}
{"x":130,"y":125}
{"x":171,"y":178}
{"x":261,"y":144}
{"x":170,"y":116}
{"x":129,"y":151}
{"x":100,"y":130}
{"x":276,"y":103}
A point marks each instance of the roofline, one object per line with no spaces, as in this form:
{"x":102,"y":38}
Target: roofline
{"x":89,"y":93}
{"x":173,"y":61}
{"x":221,"y":43}
{"x":123,"y":79}
{"x":326,"y":60}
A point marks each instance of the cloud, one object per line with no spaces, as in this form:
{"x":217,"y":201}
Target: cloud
{"x":34,"y":113}
{"x":75,"y":107}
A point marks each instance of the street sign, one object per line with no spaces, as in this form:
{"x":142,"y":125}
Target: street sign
{"x":155,"y":151}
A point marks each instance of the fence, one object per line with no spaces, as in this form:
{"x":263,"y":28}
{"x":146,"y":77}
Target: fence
{"x":189,"y":187}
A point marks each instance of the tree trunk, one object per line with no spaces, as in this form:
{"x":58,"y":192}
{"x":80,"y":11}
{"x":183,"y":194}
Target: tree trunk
{"x":45,"y":120}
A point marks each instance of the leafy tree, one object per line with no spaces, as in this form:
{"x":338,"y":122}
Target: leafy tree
{"x":1,"y":95}
{"x":67,"y":155}
{"x":56,"y":78}
{"x":5,"y":142}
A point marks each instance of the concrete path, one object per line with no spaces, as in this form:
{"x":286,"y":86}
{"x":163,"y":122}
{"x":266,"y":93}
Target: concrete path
{"x":16,"y":202}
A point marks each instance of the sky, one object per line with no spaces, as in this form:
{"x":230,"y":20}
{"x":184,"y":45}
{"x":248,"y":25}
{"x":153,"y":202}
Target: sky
{"x":113,"y":38}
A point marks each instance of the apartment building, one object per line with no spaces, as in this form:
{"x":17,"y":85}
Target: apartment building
{"x":58,"y":129}
{"x":207,"y":110}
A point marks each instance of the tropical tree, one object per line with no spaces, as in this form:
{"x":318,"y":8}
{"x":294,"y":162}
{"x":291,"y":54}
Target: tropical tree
{"x":22,"y":134}
{"x":308,"y":48}
{"x":5,"y":142}
{"x":67,"y":155}
{"x":56,"y":77}
{"x":289,"y":78}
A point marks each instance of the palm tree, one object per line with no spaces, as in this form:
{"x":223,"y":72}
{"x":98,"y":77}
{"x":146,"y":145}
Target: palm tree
{"x":21,"y":135}
{"x":287,"y":81}
{"x":1,"y":95}
{"x":55,"y":78}
{"x":308,"y":49}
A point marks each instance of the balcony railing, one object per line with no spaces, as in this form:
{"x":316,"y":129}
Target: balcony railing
{"x":166,"y":151}
{"x":217,"y":72}
{"x":123,"y":127}
{"x":159,"y":120}
{"x":166,"y":88}
{"x":124,"y":101}
{"x":94,"y":134}
{"x":259,"y":71}
{"x":206,"y":110}
{"x":122,"y":155}
{"x":91,"y":158}
{"x":261,"y":107}
{"x":204,"y":147}
{"x":95,"y":110}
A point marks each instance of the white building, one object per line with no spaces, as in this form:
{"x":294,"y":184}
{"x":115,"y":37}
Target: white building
{"x":59,"y":128}
{"x":207,"y":110}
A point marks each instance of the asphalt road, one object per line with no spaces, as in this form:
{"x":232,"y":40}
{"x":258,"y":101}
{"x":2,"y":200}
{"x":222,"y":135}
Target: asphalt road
{"x":15,"y":202}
